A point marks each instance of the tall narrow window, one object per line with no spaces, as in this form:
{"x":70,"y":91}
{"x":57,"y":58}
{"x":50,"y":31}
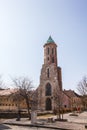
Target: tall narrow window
{"x":52,"y":59}
{"x":48,"y":58}
{"x":52,"y":51}
{"x":48,"y":89}
{"x":48,"y":50}
{"x":48,"y":72}
{"x":55,"y":51}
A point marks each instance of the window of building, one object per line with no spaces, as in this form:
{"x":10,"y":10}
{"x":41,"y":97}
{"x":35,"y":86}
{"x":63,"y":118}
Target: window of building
{"x":48,"y":50}
{"x":48,"y":89}
{"x":48,"y":72}
{"x":52,"y":59}
{"x":48,"y":58}
{"x":55,"y":50}
{"x":52,"y":51}
{"x":65,"y":106}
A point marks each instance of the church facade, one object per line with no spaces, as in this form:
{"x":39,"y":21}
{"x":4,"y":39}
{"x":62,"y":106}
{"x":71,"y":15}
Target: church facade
{"x":50,"y":77}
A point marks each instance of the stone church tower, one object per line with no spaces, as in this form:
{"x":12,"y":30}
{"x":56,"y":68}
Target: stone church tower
{"x":50,"y":77}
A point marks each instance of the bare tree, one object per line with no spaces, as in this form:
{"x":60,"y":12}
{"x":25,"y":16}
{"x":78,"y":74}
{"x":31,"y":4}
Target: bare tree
{"x":24,"y":86}
{"x":82,"y":88}
{"x":17,"y":99}
{"x":1,"y":83}
{"x":34,"y":100}
{"x":58,"y":100}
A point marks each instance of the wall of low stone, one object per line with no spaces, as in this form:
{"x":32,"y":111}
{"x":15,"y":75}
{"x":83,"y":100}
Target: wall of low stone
{"x":9,"y":115}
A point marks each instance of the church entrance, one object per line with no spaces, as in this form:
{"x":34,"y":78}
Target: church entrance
{"x":48,"y":104}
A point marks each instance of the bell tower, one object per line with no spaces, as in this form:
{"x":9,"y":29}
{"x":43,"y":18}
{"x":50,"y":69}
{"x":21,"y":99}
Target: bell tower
{"x":50,"y":52}
{"x":50,"y":77}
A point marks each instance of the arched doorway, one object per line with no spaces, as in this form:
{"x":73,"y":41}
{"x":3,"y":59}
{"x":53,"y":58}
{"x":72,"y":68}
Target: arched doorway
{"x":48,"y":104}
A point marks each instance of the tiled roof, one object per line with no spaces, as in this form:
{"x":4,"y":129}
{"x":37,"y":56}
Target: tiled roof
{"x":7,"y":92}
{"x":70,"y":93}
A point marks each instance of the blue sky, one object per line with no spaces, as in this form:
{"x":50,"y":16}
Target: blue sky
{"x":25,"y":26}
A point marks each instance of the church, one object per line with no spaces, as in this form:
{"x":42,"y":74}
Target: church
{"x":50,"y":91}
{"x":50,"y":77}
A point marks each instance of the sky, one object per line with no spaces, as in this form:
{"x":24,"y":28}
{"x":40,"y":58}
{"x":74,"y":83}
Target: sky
{"x":25,"y":26}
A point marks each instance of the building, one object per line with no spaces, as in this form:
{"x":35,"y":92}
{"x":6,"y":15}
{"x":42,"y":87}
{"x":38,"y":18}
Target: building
{"x":50,"y":78}
{"x":75,"y":100}
{"x":10,"y":103}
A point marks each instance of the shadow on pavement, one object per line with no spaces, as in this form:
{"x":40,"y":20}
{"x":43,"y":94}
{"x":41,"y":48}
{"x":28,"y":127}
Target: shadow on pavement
{"x":4,"y":127}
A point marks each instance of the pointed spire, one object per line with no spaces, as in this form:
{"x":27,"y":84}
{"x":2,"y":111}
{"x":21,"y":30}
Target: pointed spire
{"x":50,"y":40}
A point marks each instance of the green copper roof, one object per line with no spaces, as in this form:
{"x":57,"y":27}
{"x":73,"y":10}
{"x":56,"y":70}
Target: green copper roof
{"x":50,"y":40}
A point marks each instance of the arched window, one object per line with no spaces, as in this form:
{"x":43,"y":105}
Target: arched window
{"x":48,"y":72}
{"x":48,"y":89}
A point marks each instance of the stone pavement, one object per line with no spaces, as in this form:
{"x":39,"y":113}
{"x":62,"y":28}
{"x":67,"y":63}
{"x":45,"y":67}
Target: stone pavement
{"x":73,"y":123}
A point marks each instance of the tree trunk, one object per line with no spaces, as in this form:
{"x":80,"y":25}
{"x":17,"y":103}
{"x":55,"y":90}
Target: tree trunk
{"x":59,"y":114}
{"x":29,"y":114}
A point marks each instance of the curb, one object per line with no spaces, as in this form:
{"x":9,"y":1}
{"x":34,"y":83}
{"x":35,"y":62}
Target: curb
{"x":35,"y":125}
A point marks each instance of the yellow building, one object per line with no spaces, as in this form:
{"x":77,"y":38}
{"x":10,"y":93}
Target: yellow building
{"x":8,"y":102}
